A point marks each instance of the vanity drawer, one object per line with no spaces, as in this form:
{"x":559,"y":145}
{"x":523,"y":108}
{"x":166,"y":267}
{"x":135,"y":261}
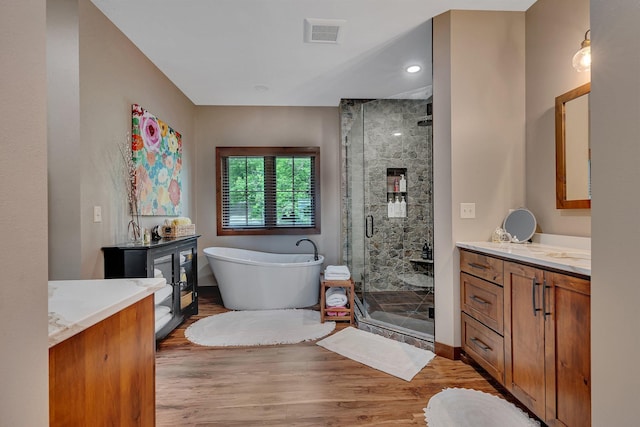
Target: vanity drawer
{"x":484,"y":346}
{"x":482,"y":266}
{"x":483,"y":301}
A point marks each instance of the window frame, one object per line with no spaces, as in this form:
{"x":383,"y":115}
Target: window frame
{"x":224,"y":152}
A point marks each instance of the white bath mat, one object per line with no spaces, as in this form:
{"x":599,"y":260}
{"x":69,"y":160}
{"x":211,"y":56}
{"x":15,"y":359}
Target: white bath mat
{"x":393,"y":357}
{"x":462,"y":407}
{"x":260,"y":327}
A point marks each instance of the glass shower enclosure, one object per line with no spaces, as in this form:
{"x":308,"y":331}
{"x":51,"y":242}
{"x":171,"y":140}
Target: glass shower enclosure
{"x":388,"y":233}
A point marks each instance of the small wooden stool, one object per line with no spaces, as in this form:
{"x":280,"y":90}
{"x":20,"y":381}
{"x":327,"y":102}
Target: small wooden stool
{"x":349,"y":285}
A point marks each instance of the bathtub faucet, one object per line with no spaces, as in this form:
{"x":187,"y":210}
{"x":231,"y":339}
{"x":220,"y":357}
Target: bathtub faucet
{"x":315,"y":248}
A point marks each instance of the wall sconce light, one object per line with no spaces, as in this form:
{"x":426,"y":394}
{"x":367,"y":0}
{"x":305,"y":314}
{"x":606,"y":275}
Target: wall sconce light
{"x":582,"y":58}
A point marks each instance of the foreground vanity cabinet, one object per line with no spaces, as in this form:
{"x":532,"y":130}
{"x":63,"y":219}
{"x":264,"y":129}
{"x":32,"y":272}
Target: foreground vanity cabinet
{"x":105,"y":375}
{"x":173,"y":259}
{"x":481,"y":300}
{"x":546,"y":335}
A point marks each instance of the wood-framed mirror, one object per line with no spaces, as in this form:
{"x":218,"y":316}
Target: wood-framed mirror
{"x":573,"y":149}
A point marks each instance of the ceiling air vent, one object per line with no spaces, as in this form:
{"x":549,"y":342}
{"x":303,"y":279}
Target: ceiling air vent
{"x":323,"y":30}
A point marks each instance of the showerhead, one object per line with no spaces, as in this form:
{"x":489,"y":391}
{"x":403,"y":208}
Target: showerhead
{"x":428,"y":119}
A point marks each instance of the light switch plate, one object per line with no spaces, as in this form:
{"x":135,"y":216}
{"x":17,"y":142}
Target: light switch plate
{"x":467,"y":210}
{"x":97,"y":214}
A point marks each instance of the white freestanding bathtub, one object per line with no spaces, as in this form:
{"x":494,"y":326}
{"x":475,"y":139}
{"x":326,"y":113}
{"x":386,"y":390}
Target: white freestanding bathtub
{"x":252,"y":280}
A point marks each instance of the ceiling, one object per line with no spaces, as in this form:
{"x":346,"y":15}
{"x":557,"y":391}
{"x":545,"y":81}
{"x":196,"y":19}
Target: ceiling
{"x":252,"y":52}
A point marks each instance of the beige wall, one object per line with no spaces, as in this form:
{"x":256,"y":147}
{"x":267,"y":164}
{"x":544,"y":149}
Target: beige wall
{"x":23,"y":215}
{"x":113,"y":74}
{"x":554,"y":30}
{"x":615,"y":130}
{"x":268,"y":126}
{"x":23,"y":218}
{"x":63,"y":133}
{"x":479,"y":139}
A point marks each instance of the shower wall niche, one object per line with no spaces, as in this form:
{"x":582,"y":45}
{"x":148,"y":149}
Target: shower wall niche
{"x":393,"y":144}
{"x":397,"y":193}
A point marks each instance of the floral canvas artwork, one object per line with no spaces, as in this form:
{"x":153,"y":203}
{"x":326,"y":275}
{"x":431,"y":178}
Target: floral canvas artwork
{"x":157,"y":156}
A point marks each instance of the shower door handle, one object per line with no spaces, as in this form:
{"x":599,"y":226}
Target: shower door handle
{"x":368,"y":223}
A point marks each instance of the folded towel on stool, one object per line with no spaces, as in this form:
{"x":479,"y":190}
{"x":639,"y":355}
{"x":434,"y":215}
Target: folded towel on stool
{"x":337,"y":272}
{"x":336,"y":297}
{"x":337,"y":300}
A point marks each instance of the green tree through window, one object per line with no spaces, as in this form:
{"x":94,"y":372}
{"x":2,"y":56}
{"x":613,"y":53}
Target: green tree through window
{"x":268,"y":190}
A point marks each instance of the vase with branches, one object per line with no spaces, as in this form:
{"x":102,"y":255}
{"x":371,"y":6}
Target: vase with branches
{"x":132,"y":192}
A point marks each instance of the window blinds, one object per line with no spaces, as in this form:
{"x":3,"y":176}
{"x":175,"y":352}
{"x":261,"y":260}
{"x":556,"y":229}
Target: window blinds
{"x":267,"y":192}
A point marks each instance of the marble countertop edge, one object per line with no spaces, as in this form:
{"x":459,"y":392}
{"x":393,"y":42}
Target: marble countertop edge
{"x":76,"y":305}
{"x":570,"y":260}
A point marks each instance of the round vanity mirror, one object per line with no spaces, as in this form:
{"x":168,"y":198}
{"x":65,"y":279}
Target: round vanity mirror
{"x":520,"y":224}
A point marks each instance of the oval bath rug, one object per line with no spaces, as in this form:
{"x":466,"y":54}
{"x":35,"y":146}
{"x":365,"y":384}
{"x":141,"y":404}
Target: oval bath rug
{"x":463,"y":407}
{"x":258,"y":327}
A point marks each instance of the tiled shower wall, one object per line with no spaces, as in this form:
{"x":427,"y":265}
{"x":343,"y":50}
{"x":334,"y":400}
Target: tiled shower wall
{"x":395,"y":241}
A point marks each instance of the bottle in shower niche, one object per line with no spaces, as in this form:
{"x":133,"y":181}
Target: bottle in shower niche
{"x":403,"y":184}
{"x":396,"y":207}
{"x":390,"y":208}
{"x":396,"y":185}
{"x":403,"y":207}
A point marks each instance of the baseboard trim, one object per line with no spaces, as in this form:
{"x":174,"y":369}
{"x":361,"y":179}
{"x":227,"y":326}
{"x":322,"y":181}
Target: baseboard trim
{"x":447,"y":351}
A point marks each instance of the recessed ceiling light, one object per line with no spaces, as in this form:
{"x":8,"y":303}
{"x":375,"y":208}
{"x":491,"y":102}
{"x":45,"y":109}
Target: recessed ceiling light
{"x":413,"y":68}
{"x":397,"y":134}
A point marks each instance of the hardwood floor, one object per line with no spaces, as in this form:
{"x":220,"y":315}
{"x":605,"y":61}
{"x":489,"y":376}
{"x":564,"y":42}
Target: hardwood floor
{"x":289,"y":385}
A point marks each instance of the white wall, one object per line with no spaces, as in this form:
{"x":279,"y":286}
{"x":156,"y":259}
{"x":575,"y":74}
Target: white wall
{"x":23,"y":215}
{"x":268,"y":126}
{"x":554,"y":31}
{"x":615,"y":292}
{"x":479,"y":140}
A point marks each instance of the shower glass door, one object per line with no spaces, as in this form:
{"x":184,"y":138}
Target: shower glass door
{"x":387,"y":138}
{"x":356,"y":214}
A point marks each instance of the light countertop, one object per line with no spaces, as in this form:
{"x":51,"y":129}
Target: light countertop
{"x":75,"y":305}
{"x":567,"y":259}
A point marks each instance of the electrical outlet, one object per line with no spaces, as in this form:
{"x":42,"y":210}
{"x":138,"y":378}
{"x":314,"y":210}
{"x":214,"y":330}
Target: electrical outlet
{"x":97,"y":214}
{"x":467,"y":210}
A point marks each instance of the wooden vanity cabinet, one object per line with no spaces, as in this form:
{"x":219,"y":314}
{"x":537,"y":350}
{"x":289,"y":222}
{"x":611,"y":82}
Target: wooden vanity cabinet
{"x":525,"y":336}
{"x":105,"y":375}
{"x":545,"y":337}
{"x":547,"y":343}
{"x":568,"y":351}
{"x":481,"y":300}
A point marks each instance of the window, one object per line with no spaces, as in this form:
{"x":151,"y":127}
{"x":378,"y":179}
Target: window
{"x":268,"y":190}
